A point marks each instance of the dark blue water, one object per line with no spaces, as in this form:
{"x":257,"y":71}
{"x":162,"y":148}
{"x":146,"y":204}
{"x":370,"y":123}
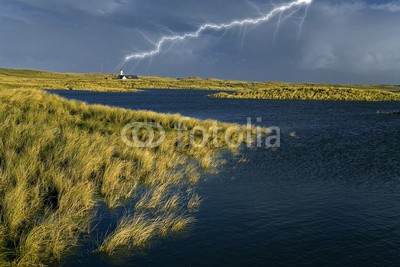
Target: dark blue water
{"x":329,"y":196}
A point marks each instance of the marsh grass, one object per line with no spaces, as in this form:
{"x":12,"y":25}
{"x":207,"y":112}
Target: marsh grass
{"x":60,"y":160}
{"x":295,"y":92}
{"x":194,"y":202}
{"x":136,"y":232}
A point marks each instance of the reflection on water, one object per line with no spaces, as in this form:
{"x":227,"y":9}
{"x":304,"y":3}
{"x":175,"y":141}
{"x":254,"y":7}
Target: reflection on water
{"x":329,"y":196}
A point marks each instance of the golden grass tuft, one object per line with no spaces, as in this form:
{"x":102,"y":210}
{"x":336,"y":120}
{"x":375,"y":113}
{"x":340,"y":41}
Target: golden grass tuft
{"x":131,"y":232}
{"x":49,"y":240}
{"x":118,"y":184}
{"x":137,"y":231}
{"x":4,"y":251}
{"x":20,"y":202}
{"x":194,"y":202}
{"x":173,"y":223}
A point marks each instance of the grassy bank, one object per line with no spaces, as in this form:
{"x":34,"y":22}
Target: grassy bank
{"x":28,"y":79}
{"x":60,"y":160}
{"x":315,"y":92}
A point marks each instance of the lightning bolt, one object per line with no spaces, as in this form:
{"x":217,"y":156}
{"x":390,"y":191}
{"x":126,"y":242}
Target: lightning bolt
{"x":171,"y":39}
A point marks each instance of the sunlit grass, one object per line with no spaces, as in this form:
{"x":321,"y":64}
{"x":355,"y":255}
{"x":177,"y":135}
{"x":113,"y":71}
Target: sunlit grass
{"x":60,"y":160}
{"x":135,"y":232}
{"x":295,"y":92}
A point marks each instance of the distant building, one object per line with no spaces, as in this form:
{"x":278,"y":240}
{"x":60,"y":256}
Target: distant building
{"x":122,"y":76}
{"x":128,"y":77}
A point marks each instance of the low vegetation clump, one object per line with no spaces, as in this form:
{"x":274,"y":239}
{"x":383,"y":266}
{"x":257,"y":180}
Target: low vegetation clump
{"x":137,"y":231}
{"x":313,"y":93}
{"x":61,"y":160}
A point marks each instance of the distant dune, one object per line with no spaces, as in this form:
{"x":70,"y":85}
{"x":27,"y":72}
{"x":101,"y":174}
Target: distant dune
{"x":32,"y":79}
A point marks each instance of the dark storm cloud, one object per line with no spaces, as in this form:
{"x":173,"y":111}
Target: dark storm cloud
{"x":341,"y":41}
{"x":357,"y":39}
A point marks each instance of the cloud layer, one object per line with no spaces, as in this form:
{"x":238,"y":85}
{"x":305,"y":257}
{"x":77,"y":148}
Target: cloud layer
{"x":341,"y":41}
{"x":356,"y":38}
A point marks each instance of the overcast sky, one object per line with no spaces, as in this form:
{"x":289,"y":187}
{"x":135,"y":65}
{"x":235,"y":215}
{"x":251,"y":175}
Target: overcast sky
{"x":340,"y":41}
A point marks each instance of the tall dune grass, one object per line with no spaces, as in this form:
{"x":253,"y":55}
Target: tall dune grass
{"x":60,"y":160}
